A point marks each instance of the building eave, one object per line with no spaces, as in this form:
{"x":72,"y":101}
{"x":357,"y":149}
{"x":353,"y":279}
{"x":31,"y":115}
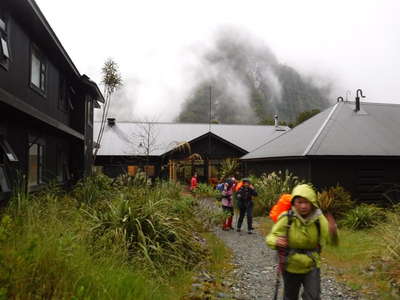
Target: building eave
{"x":20,"y":105}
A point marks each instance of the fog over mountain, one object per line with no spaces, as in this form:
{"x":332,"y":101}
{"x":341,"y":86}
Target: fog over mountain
{"x":247,"y":84}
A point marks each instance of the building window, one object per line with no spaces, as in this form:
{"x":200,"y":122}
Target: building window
{"x":63,"y":96}
{"x":35,"y":164}
{"x":4,"y":46}
{"x":132,"y":170}
{"x":89,"y":112}
{"x":62,"y":166}
{"x":38,"y":71}
{"x":4,"y":185}
{"x":7,"y":150}
{"x":149,"y":170}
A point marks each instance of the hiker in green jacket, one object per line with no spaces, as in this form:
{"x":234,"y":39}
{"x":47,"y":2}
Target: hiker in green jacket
{"x":300,"y":232}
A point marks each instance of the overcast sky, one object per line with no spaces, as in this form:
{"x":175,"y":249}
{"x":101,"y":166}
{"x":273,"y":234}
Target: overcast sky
{"x":356,"y":44}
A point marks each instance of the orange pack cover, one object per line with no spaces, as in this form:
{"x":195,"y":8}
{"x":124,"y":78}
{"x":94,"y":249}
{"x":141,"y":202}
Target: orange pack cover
{"x":238,"y":186}
{"x":283,"y":204}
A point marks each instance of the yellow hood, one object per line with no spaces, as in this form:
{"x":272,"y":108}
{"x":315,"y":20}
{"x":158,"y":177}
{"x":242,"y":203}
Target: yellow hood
{"x":305,"y":191}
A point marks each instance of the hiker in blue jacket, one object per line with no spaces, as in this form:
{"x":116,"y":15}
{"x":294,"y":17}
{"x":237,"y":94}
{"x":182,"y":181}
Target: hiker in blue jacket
{"x":245,"y":202}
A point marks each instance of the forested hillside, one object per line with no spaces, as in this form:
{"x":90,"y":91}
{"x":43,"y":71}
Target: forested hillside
{"x":248,"y":85}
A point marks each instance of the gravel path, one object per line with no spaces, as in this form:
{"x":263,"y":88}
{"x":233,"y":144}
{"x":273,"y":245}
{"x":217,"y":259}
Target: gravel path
{"x":255,"y":267}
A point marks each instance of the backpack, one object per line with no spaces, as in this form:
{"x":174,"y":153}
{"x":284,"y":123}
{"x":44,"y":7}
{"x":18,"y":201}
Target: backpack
{"x":220,"y":187}
{"x":283,"y":204}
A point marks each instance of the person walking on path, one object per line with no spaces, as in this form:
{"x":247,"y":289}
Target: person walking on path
{"x":244,"y":197}
{"x":299,"y":235}
{"x":193,"y":182}
{"x":227,"y":204}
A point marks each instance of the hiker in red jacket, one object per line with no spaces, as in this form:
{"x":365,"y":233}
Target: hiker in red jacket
{"x":193,"y":182}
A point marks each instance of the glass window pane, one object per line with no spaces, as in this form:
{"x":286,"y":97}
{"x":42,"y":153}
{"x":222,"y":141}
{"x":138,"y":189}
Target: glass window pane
{"x":40,"y":164}
{"x":2,"y":24}
{"x":42,"y":82}
{"x":7,"y":150}
{"x":35,"y":70}
{"x":60,"y":157}
{"x":33,"y":165}
{"x":4,"y":186}
{"x":132,"y":170}
{"x":150,"y":170}
{"x":4,"y":46}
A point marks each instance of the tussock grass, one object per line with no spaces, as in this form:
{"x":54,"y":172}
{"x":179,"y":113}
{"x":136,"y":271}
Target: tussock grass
{"x":204,"y":190}
{"x":99,"y":242}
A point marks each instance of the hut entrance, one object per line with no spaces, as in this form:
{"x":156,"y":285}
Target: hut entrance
{"x":183,"y":170}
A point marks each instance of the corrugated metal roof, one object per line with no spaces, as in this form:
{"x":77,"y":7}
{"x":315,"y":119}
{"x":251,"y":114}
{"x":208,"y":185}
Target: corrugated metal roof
{"x":339,"y":131}
{"x":124,"y":137}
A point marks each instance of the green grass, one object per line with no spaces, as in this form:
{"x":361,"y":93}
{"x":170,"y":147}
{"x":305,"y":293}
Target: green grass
{"x":220,"y":256}
{"x":358,"y":262}
{"x":132,"y":244}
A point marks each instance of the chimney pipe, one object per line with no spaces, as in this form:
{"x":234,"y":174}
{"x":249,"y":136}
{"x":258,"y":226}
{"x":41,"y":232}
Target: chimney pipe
{"x":276,"y":120}
{"x":358,"y":100}
{"x":111,"y":122}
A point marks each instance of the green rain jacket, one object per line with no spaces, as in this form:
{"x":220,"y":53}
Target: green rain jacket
{"x":303,"y":234}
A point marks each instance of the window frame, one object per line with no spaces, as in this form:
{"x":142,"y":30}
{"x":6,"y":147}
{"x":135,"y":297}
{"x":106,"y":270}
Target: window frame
{"x":63,"y":95}
{"x":4,"y":181}
{"x":43,"y":71}
{"x":150,"y":170}
{"x":40,"y":161}
{"x":89,"y":112}
{"x":4,"y":41}
{"x":8,"y":151}
{"x":132,"y":170}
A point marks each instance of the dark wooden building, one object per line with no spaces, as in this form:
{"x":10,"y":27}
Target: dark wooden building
{"x":358,"y":149}
{"x":46,"y":105}
{"x":176,"y":150}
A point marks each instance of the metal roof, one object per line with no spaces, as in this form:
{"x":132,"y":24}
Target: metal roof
{"x":123,"y":138}
{"x":340,"y":131}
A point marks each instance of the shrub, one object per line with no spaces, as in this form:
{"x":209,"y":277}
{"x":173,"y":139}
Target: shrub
{"x":92,"y":189}
{"x":363,"y":216}
{"x":228,"y":168}
{"x":335,"y":200}
{"x":270,"y":187}
{"x":205,"y":190}
{"x":140,"y":179}
{"x":130,"y":247}
{"x":155,"y":228}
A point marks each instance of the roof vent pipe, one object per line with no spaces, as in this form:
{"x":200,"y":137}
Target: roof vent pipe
{"x":276,"y":121}
{"x":111,"y":122}
{"x":358,"y":100}
{"x":340,"y":99}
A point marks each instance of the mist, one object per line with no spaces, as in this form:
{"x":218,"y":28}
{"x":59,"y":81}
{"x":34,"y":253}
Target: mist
{"x":354,"y":44}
